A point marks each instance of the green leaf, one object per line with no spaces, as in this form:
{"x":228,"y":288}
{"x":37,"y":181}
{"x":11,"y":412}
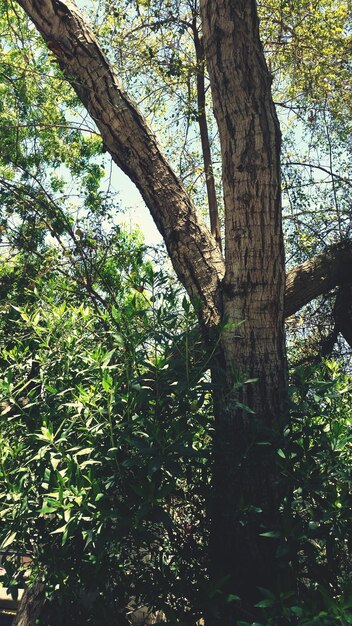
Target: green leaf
{"x":59,"y":530}
{"x":84,"y":451}
{"x":10,"y":538}
{"x":232,"y":598}
{"x":263,"y":604}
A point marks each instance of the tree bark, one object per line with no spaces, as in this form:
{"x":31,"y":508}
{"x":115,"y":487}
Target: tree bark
{"x":249,"y":298}
{"x":204,"y":136}
{"x":193,"y":251}
{"x":246,"y":481}
{"x":31,"y":608}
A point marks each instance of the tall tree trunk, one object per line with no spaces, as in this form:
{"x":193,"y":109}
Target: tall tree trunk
{"x":250,"y":298}
{"x":246,"y":485}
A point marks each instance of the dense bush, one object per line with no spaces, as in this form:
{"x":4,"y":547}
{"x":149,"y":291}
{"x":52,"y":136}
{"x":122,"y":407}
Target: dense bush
{"x":106,"y":424}
{"x":316,"y":533}
{"x":104,"y":451}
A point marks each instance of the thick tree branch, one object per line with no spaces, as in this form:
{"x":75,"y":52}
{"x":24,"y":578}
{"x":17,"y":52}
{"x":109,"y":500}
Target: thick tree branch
{"x":193,"y":251}
{"x":318,"y":275}
{"x":253,"y":291}
{"x":126,"y":135}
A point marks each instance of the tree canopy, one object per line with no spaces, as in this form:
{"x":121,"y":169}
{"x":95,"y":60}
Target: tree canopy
{"x":179,"y":450}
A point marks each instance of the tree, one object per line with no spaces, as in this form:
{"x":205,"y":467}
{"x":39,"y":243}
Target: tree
{"x":241,"y":294}
{"x":101,"y":443}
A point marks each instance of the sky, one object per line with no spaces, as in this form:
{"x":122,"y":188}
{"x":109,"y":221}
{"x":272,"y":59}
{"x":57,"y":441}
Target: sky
{"x":136,"y":212}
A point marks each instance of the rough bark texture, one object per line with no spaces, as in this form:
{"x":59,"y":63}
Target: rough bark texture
{"x":31,"y":607}
{"x":193,"y":251}
{"x":245,"y":481}
{"x":251,"y":297}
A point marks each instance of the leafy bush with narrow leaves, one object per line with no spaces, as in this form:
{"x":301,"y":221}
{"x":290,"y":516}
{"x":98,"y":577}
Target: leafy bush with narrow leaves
{"x":316,"y":534}
{"x":105,"y":428}
{"x":105,"y":460}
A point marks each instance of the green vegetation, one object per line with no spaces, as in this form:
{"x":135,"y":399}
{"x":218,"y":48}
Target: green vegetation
{"x":106,"y":425}
{"x":107,"y":378}
{"x":105,"y":447}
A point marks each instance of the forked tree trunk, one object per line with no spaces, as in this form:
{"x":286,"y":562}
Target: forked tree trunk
{"x":246,"y":483}
{"x":251,"y":296}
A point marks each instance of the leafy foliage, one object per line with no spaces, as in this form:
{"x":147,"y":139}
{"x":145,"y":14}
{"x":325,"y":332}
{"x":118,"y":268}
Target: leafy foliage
{"x":106,"y":414}
{"x":104,"y":449}
{"x":106,"y":426}
{"x":316,"y":517}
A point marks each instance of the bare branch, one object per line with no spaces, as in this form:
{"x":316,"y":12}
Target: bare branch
{"x":204,"y":135}
{"x":322,"y":169}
